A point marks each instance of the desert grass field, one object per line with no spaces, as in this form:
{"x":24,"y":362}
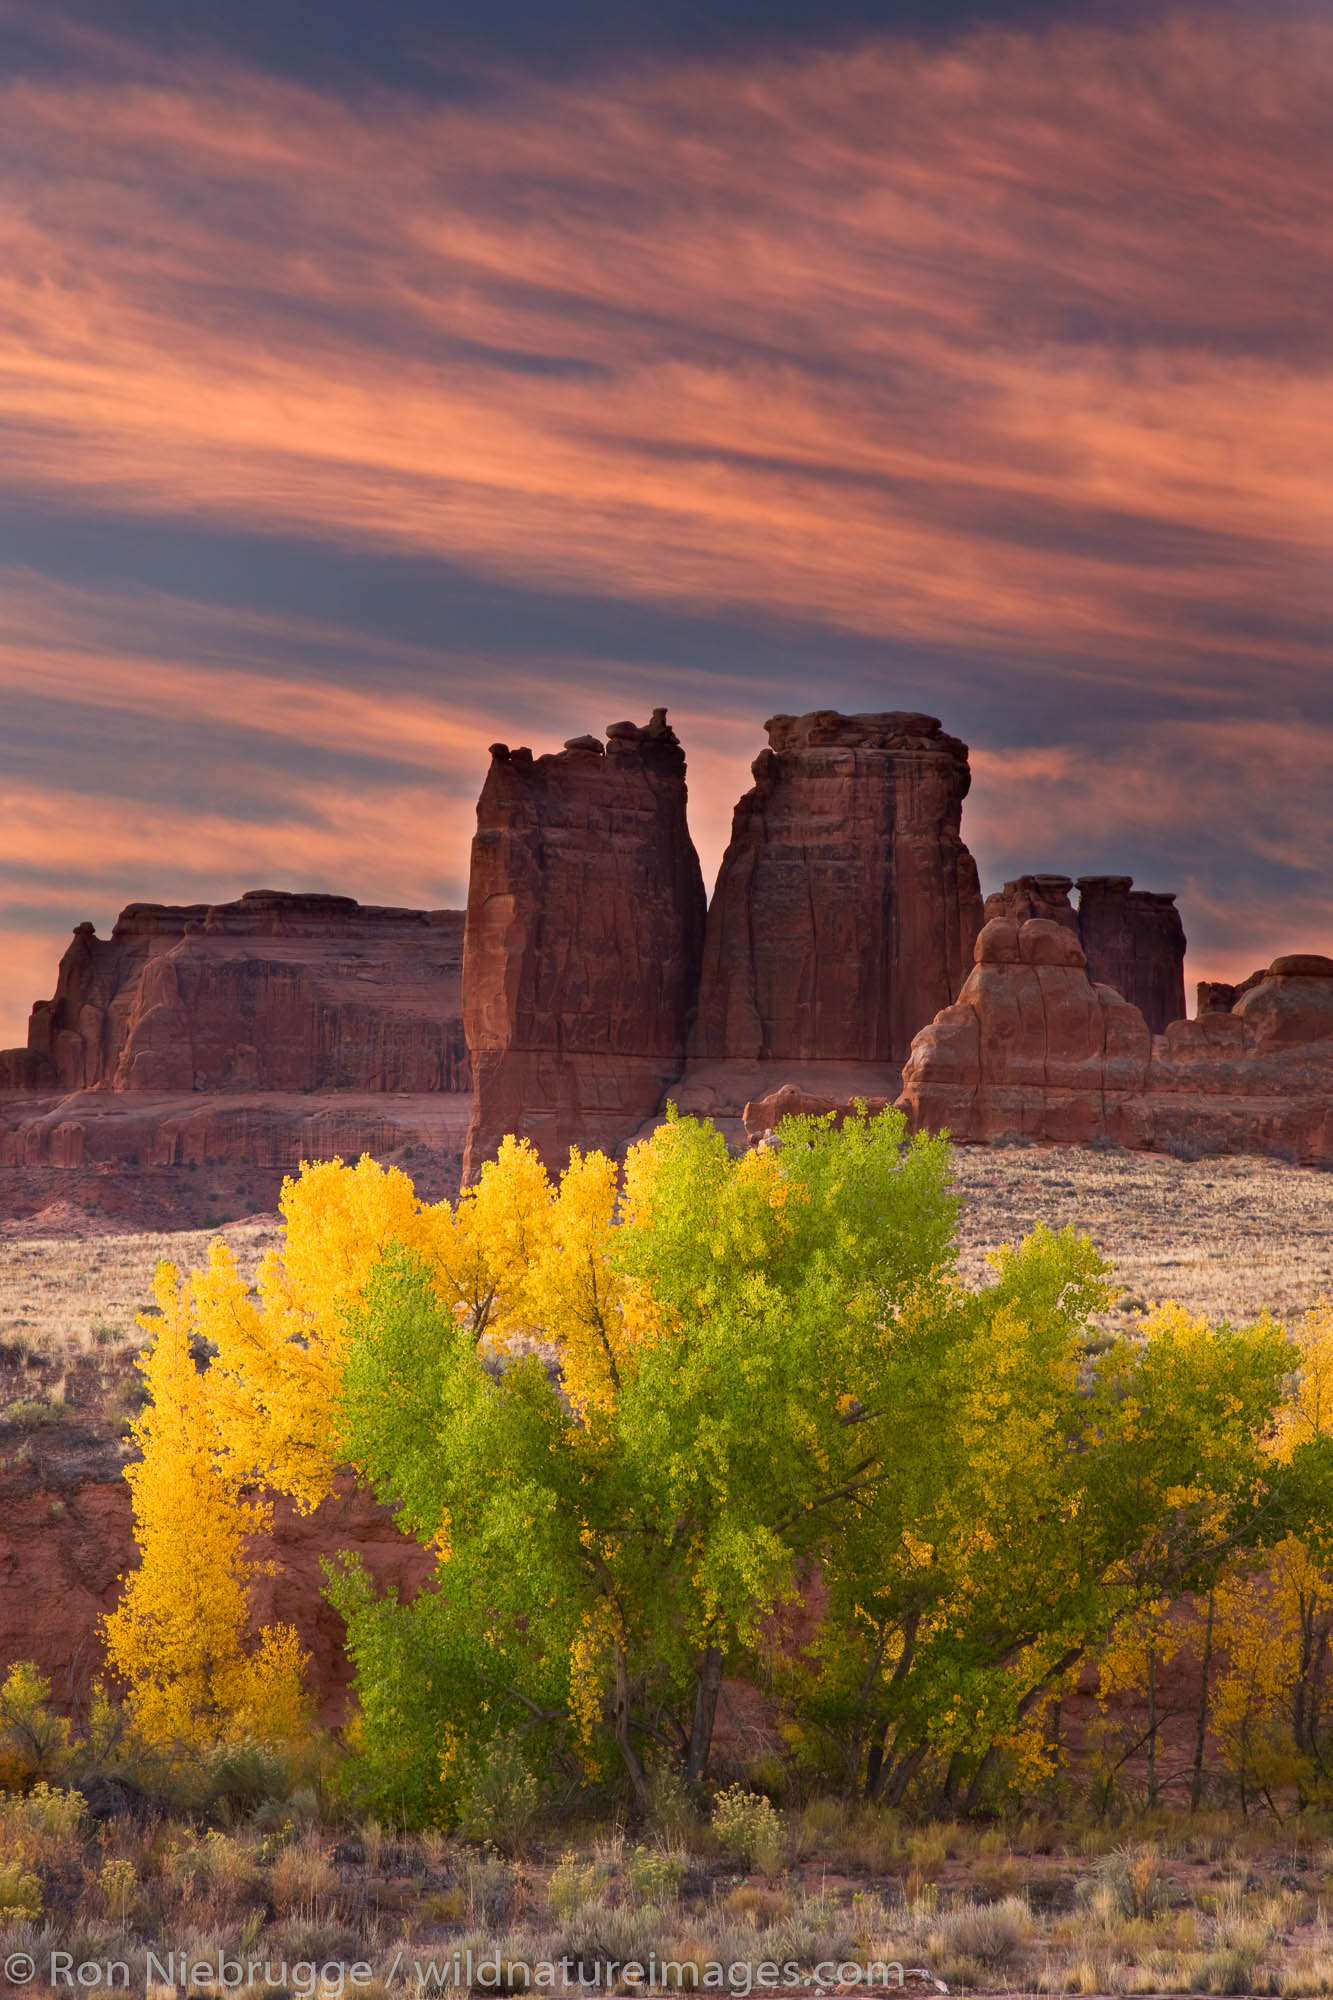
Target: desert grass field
{"x":814,"y":1898}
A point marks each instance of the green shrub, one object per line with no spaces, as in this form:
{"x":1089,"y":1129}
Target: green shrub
{"x":20,"y":1894}
{"x":747,"y":1828}
{"x":655,"y":1874}
{"x":33,"y":1742}
{"x":501,"y":1802}
{"x":671,"y":1807}
{"x":43,"y":1818}
{"x":574,"y":1882}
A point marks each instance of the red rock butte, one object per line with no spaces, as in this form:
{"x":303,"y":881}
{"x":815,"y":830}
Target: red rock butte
{"x":847,"y":904}
{"x":585,"y":924}
{"x":241,"y":1036}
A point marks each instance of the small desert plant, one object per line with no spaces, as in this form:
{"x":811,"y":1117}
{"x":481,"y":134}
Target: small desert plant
{"x":29,"y":1413}
{"x":20,"y":1894}
{"x":747,"y":1828}
{"x":118,"y":1881}
{"x":40,"y":1825}
{"x":1133,"y":1877}
{"x":492,"y":1890}
{"x":670,"y":1806}
{"x":656,"y":1873}
{"x":502,"y":1800}
{"x":574,"y":1882}
{"x":994,"y":1934}
{"x":302,"y":1879}
{"x":927,"y":1850}
{"x":372,"y":1843}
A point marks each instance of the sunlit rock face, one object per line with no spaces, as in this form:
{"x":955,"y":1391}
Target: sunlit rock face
{"x":585,"y":925}
{"x":1033,"y":1048}
{"x":847,"y":904}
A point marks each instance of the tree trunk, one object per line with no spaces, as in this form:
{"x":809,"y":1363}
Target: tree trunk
{"x":705,"y":1714}
{"x":1201,"y":1721}
{"x":902,"y":1774}
{"x":627,"y":1750}
{"x":1152,"y":1727}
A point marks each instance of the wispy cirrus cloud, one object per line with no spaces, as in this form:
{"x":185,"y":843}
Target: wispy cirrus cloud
{"x":1018,"y":342}
{"x":995,"y":369}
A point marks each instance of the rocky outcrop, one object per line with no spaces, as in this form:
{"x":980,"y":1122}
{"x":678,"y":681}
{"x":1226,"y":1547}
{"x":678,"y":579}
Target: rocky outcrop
{"x":847,"y":904}
{"x":1135,"y":942}
{"x":1028,"y":896}
{"x":584,"y":933}
{"x":1218,"y":996}
{"x":245,"y":1036}
{"x":1034,"y":1048}
{"x":1030,"y":1047}
{"x":275,"y":992}
{"x":763,"y":1115}
{"x":1133,"y":939}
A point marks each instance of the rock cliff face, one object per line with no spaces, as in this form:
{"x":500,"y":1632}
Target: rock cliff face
{"x":1033,"y":1048}
{"x":1135,"y":942}
{"x":66,"y":1539}
{"x":847,"y":904}
{"x":584,"y":933}
{"x":1133,"y":938}
{"x":245,"y":1036}
{"x":275,"y":992}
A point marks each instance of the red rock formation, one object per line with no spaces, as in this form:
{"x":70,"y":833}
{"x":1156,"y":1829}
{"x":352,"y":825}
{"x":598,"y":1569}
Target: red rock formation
{"x":763,"y":1115}
{"x":1045,"y":896}
{"x":275,"y":992}
{"x":1135,"y":942}
{"x":847,"y":904}
{"x":1034,"y":1048}
{"x":584,"y":931}
{"x":1133,"y":938}
{"x":250,"y":1035}
{"x":1217,"y":996}
{"x":276,"y":1129}
{"x":1030,"y":1048}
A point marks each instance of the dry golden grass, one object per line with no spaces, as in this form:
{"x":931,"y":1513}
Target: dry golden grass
{"x":68,"y":1311}
{"x":1227,"y":1237}
{"x":74,"y":1295}
{"x":1237,"y":1906}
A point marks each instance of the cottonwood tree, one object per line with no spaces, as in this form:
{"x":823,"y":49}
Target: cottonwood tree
{"x":617,"y":1521}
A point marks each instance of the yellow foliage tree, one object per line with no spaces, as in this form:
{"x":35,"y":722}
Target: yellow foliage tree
{"x":178,"y":1635}
{"x":1275,"y":1616}
{"x":516,"y":1259}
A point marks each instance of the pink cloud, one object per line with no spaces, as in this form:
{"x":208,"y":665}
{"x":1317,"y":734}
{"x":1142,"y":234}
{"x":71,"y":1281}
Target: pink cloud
{"x":817,"y":320}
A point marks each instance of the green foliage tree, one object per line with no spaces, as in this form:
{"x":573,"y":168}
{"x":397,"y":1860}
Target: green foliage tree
{"x":794,"y":1395}
{"x":603,"y":1560}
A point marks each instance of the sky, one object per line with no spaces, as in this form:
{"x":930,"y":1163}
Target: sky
{"x":379,"y":382}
